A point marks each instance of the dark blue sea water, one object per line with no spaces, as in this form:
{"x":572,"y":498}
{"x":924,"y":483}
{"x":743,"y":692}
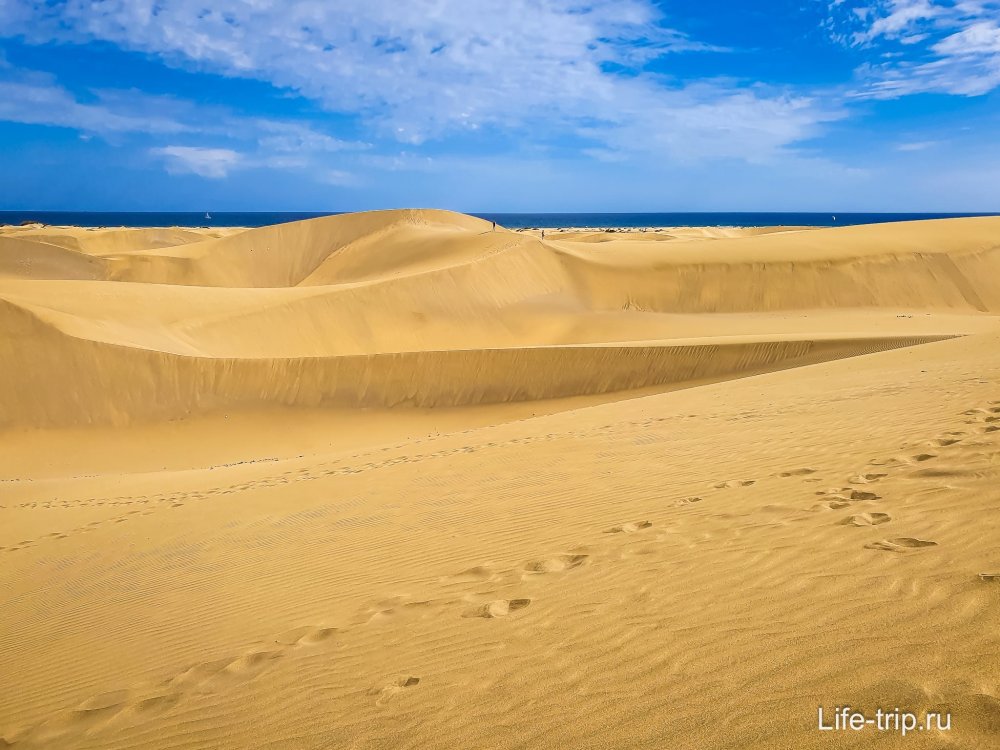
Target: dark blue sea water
{"x":512,"y":221}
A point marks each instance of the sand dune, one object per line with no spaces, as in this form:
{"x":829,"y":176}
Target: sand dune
{"x":108,"y":241}
{"x":24,"y":259}
{"x":395,"y":479}
{"x":306,"y":314}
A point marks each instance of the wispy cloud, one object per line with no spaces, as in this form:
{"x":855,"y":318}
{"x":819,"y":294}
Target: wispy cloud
{"x":339,"y":178}
{"x":939,"y":46}
{"x":204,"y":162}
{"x":430,"y":69}
{"x":36,"y":98}
{"x":283,"y":136}
{"x":899,"y":19}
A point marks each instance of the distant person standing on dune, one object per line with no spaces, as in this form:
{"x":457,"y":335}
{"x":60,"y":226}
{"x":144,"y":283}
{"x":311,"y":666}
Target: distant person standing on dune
{"x":494,"y":226}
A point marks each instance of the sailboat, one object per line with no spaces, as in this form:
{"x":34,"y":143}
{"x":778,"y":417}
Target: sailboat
{"x":207,"y":215}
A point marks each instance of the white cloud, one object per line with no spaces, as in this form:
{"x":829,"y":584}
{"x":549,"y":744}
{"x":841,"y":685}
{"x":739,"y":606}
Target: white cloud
{"x":900,"y":16}
{"x":710,"y":121}
{"x":916,"y":145}
{"x":37,"y":100}
{"x":403,"y":161}
{"x":428,"y":69}
{"x":944,"y":46}
{"x":282,"y":136}
{"x":981,"y":38}
{"x":215,"y":163}
{"x":204,"y":162}
{"x":339,"y":178}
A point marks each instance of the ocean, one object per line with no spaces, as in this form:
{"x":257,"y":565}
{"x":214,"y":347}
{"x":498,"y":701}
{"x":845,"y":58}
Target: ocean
{"x":509,"y":220}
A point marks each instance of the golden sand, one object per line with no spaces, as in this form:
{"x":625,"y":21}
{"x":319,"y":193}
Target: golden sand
{"x":396,"y":480}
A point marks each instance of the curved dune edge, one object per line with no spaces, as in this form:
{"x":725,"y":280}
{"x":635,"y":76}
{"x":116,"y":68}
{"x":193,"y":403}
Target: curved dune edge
{"x":83,"y":382}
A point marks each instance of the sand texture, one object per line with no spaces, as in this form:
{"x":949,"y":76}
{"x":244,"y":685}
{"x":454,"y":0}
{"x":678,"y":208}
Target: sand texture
{"x":393,"y":479}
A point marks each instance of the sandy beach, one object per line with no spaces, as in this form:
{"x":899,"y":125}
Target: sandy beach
{"x":396,"y":479}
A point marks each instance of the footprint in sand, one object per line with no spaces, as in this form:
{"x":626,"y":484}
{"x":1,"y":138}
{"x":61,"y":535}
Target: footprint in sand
{"x":734,"y":483}
{"x":629,"y":528}
{"x":866,"y":478}
{"x":888,"y":462}
{"x":198,"y":675}
{"x":85,"y":718}
{"x":797,"y":472}
{"x":391,"y":690}
{"x":848,"y":494}
{"x":945,"y":441}
{"x":556,"y":564}
{"x":687,"y":501}
{"x":250,"y":663}
{"x":900,"y":544}
{"x":307,"y":635}
{"x":921,"y":457}
{"x":397,"y":608}
{"x":497,"y":608}
{"x":831,"y":505}
{"x":867,"y":519}
{"x":222,"y":670}
{"x":477,"y":574}
{"x":862,"y":496}
{"x":104,"y":702}
{"x":157,"y":703}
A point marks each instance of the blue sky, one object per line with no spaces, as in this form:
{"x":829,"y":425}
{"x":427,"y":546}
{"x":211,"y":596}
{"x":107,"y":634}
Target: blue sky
{"x":500,"y":105}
